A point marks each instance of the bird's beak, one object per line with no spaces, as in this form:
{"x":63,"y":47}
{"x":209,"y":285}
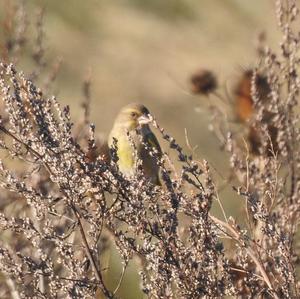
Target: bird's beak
{"x":144,"y":119}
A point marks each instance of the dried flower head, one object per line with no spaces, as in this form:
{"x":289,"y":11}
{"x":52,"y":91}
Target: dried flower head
{"x":203,"y":82}
{"x":244,"y":102}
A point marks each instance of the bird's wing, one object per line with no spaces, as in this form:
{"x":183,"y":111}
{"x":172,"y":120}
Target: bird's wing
{"x":150,"y":163}
{"x":153,"y":142}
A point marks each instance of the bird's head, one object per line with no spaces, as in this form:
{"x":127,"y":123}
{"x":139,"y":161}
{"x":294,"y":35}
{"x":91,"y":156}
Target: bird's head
{"x":133,"y":116}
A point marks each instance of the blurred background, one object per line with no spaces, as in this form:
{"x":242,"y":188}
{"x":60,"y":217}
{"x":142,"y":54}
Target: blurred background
{"x":145,"y":51}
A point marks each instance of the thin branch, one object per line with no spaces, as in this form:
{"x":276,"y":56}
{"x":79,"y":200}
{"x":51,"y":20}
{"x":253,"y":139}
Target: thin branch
{"x":236,"y":236}
{"x":12,"y":288}
{"x":105,"y":291}
{"x":121,"y":279}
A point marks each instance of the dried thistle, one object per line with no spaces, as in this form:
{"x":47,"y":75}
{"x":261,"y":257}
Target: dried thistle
{"x":203,"y":82}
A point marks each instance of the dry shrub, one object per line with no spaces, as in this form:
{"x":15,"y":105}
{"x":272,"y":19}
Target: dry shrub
{"x":65,"y":197}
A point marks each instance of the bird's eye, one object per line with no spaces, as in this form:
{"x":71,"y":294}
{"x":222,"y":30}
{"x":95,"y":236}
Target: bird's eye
{"x":133,"y":114}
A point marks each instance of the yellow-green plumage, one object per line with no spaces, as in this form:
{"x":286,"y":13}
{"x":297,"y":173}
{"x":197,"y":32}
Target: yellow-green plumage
{"x":131,"y":118}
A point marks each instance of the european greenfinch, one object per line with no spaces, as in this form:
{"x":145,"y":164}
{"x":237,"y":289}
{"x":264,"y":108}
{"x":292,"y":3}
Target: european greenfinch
{"x":135,"y":140}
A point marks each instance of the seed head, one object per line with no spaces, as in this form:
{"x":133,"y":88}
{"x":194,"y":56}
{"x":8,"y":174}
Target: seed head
{"x":203,"y":82}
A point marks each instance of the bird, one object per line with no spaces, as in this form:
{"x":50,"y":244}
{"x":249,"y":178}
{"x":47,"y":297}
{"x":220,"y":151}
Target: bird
{"x":134,"y":120}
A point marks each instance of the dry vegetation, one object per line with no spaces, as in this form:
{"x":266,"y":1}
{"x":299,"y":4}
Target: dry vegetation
{"x":64,"y":202}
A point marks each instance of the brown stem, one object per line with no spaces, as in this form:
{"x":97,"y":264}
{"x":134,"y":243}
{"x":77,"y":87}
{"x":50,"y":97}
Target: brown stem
{"x":105,"y":291}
